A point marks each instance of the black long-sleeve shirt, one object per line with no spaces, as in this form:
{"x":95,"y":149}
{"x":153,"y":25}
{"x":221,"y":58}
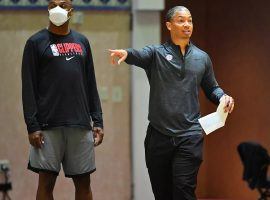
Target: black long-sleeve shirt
{"x":174,"y":85}
{"x":58,"y":82}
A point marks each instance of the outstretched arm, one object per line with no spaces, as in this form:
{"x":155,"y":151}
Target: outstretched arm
{"x":141,"y":58}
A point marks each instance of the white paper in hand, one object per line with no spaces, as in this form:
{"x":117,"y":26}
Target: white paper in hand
{"x":214,"y":120}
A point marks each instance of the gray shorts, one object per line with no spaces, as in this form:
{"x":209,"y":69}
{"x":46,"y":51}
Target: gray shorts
{"x":71,"y":147}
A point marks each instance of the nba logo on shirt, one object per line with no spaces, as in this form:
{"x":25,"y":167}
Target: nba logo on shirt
{"x":54,"y":50}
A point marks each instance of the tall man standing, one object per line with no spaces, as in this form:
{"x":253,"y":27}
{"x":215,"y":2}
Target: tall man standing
{"x":174,"y":141}
{"x":61,"y":104}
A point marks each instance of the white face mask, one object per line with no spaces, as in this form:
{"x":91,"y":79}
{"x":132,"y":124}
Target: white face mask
{"x":58,"y":16}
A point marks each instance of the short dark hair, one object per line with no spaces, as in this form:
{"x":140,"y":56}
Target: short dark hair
{"x":173,"y":10}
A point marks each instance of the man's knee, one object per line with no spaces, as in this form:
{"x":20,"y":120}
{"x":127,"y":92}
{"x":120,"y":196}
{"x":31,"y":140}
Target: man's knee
{"x":184,"y":189}
{"x":82,"y":183}
{"x":47,"y":181}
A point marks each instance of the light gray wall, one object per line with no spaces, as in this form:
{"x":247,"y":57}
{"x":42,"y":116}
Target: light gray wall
{"x":146,"y":30}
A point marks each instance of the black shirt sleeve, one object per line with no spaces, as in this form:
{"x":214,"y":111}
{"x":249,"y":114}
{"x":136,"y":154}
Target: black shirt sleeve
{"x":141,"y":58}
{"x":209,"y":84}
{"x":94,"y":101}
{"x":29,"y":87}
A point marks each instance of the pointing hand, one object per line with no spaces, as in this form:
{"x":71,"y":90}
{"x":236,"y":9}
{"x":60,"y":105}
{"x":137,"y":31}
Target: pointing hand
{"x":119,"y":54}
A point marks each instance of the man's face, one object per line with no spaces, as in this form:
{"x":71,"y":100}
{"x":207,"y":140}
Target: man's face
{"x":181,"y":25}
{"x":65,"y":4}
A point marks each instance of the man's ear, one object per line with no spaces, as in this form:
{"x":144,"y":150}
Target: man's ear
{"x":168,"y":25}
{"x":71,"y":12}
